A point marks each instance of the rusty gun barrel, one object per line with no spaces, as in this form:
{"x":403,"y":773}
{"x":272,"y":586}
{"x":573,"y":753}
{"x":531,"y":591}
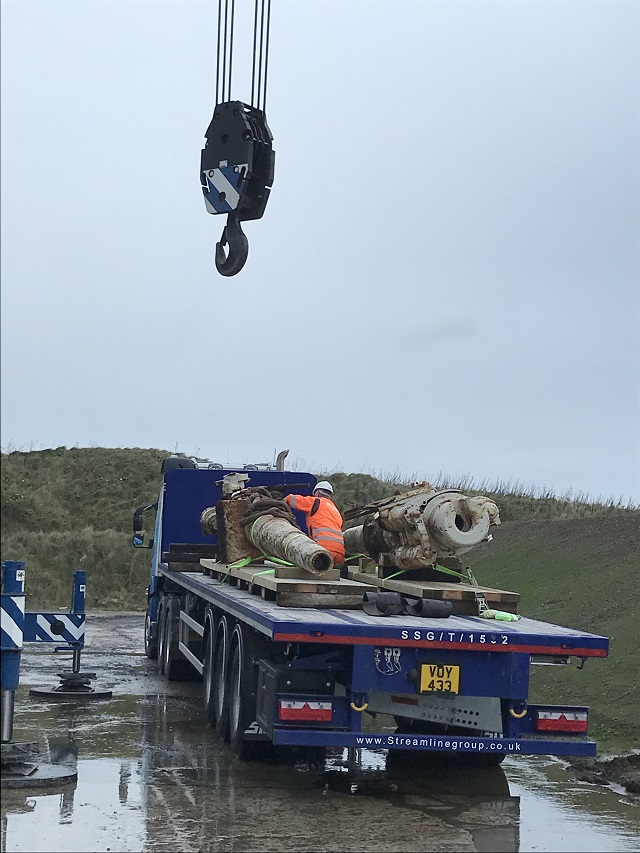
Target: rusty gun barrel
{"x":278,"y":537}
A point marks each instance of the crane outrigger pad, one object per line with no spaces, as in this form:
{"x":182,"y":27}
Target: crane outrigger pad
{"x":73,"y":686}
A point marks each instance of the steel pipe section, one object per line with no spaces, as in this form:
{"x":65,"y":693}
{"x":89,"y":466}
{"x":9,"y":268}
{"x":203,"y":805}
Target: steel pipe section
{"x":277,"y":537}
{"x":6,"y":724}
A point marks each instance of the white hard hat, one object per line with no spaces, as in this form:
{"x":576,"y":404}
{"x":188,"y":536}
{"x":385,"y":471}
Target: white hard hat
{"x":324,"y":484}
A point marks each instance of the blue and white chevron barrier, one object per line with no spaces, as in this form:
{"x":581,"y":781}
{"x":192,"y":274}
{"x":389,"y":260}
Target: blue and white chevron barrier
{"x":19,"y":627}
{"x":12,"y":622}
{"x":54,"y":628}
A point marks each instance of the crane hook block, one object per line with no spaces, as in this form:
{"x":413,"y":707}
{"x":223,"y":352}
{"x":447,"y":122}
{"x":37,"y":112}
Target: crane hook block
{"x":236,"y":173}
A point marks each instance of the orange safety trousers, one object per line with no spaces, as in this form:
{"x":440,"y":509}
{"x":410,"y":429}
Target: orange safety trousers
{"x":325,"y":524}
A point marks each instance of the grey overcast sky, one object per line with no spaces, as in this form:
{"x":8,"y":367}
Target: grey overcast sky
{"x":446,"y":277}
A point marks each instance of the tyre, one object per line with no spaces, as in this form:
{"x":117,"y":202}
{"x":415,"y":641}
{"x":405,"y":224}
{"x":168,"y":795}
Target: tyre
{"x":242,"y":685}
{"x":174,"y":666}
{"x":208,"y":668}
{"x":220,"y":663}
{"x":161,"y":634}
{"x":150,"y":644}
{"x":487,"y":759}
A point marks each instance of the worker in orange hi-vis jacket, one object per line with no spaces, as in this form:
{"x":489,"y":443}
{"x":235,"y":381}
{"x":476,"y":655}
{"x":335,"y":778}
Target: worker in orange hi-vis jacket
{"x":323,"y":519}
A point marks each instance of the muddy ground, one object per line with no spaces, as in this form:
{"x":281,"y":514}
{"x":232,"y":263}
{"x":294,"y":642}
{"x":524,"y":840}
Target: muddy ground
{"x":153,"y":777}
{"x":623,"y":770}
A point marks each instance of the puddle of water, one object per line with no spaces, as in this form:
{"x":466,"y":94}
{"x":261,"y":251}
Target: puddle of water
{"x":87,"y":816}
{"x":181,"y":788}
{"x":561,"y":815}
{"x":153,"y":777}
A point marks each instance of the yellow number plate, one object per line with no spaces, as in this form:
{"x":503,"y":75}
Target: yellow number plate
{"x":439,"y":678}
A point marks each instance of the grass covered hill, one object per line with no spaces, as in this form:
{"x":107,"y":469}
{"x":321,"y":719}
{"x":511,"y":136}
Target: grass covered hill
{"x":575,"y":562}
{"x":583,"y":573}
{"x":66,"y":509}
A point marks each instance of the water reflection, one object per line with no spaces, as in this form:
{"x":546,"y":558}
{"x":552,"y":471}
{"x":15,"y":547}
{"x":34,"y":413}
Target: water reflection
{"x":24,"y":802}
{"x":153,"y":777}
{"x":399,"y":787}
{"x":477,"y":799}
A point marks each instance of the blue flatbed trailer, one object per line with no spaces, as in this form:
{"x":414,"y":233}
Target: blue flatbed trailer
{"x":299,"y":676}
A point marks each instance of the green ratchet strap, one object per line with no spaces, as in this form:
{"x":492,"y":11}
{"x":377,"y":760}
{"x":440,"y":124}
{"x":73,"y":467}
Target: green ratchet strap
{"x":451,"y":572}
{"x":239,"y":564}
{"x":252,"y":526}
{"x":468,"y":577}
{"x":472,"y":578}
{"x":295,"y":535}
{"x":394,"y":576}
{"x":274,"y":560}
{"x":246,"y":561}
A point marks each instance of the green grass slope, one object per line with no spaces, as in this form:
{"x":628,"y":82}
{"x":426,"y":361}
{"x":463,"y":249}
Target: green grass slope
{"x":70,"y":488}
{"x":583,"y":573}
{"x":67,"y":509}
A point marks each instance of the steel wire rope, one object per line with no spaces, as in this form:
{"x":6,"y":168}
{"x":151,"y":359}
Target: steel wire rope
{"x":224,"y":52}
{"x":224,"y":55}
{"x":260,"y":53}
{"x":255,"y":40}
{"x":218,"y":52}
{"x":261,"y":56}
{"x":233,"y":15}
{"x":266,"y":57}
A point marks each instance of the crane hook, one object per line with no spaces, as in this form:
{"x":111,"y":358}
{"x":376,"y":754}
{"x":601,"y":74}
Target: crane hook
{"x":234,"y":237}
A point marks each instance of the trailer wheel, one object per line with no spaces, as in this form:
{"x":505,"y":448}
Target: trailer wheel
{"x":162,"y":609}
{"x":208,"y":668}
{"x":242,"y":684}
{"x":175,"y":667}
{"x":221,"y":694}
{"x":150,"y":644}
{"x":492,"y":759}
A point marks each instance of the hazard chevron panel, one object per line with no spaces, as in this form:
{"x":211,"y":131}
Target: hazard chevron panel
{"x":223,"y":188}
{"x":12,"y":621}
{"x":54,"y":627}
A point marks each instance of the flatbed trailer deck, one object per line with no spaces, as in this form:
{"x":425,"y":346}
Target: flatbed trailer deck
{"x":353,"y":627}
{"x":492,"y":658}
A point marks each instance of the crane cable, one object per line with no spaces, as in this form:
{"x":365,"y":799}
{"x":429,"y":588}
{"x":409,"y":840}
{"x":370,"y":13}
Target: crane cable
{"x":224,"y":55}
{"x":260,"y":57}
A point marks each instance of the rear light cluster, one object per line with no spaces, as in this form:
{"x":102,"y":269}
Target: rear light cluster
{"x":298,"y":710}
{"x":561,"y":721}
